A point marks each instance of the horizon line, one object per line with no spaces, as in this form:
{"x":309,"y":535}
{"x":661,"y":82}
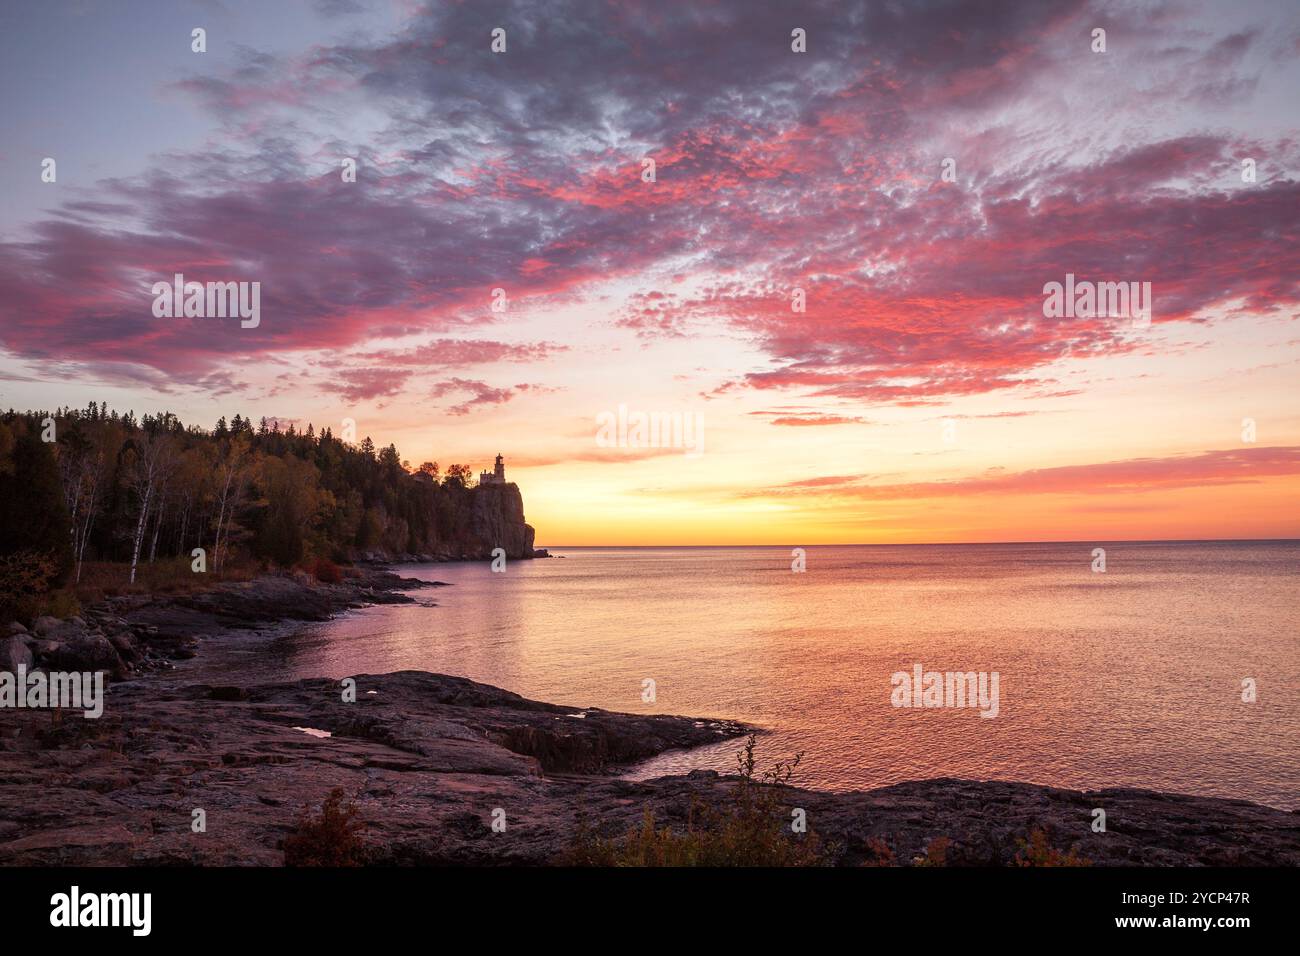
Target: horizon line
{"x":933,"y":544}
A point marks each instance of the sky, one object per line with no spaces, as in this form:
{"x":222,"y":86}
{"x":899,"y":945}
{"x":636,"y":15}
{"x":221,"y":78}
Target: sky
{"x":835,"y":270}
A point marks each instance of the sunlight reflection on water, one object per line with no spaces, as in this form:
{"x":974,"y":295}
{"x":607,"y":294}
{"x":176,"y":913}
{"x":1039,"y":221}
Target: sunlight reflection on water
{"x":1127,"y":678}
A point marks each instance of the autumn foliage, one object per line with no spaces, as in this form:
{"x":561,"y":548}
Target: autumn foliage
{"x":86,"y":491}
{"x":326,"y":571}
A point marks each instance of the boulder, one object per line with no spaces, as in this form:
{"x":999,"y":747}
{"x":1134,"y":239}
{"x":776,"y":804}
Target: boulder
{"x":90,"y":651}
{"x":124,"y":644}
{"x":43,"y":648}
{"x":14,"y":654}
{"x":46,"y":624}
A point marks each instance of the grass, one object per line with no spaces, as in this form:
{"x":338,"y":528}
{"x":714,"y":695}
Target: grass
{"x":25,"y":592}
{"x":24,"y":595}
{"x":100,"y":579}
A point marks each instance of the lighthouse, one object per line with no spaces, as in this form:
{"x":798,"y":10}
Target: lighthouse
{"x":495,"y":477}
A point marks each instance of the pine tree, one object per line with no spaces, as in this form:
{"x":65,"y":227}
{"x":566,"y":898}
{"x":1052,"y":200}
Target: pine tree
{"x":33,"y":517}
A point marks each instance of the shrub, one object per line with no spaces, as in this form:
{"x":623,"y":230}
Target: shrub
{"x":936,"y":852}
{"x":62,"y":604}
{"x":25,"y":578}
{"x":1038,"y":851}
{"x":331,"y":839}
{"x":326,"y":571}
{"x":878,"y":853}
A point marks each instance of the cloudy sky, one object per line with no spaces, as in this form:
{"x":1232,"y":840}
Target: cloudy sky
{"x":921,"y":396}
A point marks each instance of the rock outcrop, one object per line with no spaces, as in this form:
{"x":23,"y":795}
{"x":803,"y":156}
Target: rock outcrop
{"x":497,"y":521}
{"x":262,"y":601}
{"x":472,"y":523}
{"x":429,"y":759}
{"x":129,"y":635}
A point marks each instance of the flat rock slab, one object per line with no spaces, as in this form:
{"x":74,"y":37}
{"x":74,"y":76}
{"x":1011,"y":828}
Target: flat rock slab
{"x":262,"y":601}
{"x":428,"y":758}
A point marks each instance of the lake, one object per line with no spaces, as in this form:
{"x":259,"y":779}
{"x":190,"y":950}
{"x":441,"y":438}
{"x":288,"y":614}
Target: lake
{"x":1128,"y":677}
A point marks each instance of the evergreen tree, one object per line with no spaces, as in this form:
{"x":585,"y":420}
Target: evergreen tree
{"x":33,"y":517}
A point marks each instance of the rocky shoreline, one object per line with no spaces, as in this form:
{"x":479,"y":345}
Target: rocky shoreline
{"x":430,"y":761}
{"x":134,"y":634}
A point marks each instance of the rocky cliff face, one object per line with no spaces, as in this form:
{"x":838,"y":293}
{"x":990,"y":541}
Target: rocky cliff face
{"x":497,"y":521}
{"x":467,"y":524}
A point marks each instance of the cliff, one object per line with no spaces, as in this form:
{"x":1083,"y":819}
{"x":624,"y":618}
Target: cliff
{"x":464,"y":524}
{"x":497,"y":521}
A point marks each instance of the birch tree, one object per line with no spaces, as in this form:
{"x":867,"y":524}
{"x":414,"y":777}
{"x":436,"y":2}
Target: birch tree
{"x":232,"y":479}
{"x":82,"y":464}
{"x":153,"y":462}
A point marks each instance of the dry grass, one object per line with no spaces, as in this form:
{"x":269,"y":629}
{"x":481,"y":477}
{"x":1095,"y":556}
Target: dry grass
{"x":100,"y":579}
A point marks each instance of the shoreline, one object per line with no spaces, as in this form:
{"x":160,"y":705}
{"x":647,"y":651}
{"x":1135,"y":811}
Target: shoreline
{"x":428,"y":758}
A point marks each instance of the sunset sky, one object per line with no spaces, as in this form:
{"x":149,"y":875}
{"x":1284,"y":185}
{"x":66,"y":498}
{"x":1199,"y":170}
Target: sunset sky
{"x":922,"y":396}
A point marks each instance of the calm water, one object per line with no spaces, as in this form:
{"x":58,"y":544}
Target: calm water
{"x":1127,"y":678}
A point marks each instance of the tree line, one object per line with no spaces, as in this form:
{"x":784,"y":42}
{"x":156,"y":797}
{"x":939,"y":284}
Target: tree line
{"x":79,"y":485}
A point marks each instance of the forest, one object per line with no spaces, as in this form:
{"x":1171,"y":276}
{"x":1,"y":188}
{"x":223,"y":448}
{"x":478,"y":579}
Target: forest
{"x":95,"y":489}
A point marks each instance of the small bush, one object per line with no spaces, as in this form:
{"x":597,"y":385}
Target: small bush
{"x":1038,"y":851}
{"x":62,"y":604}
{"x":326,"y":571}
{"x":936,"y":852}
{"x":878,"y":853}
{"x":25,"y":578}
{"x":331,"y":839}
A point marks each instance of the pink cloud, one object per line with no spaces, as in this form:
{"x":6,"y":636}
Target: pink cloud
{"x":1207,"y":469}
